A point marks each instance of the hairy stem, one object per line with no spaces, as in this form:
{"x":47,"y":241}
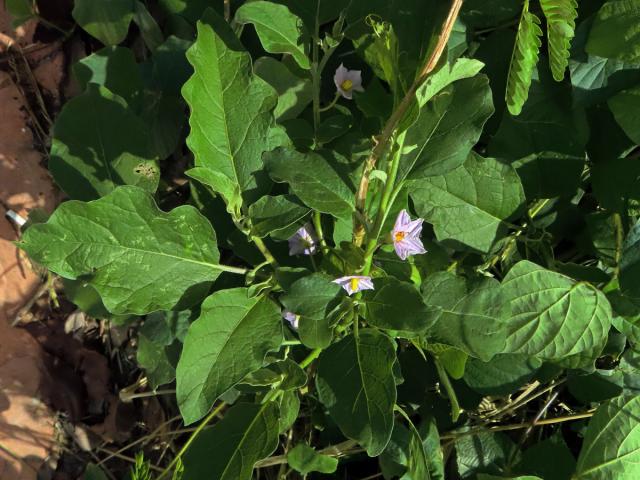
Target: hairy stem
{"x":394,"y":120}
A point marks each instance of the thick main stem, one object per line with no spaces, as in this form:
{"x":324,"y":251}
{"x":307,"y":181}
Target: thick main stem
{"x":394,"y":120}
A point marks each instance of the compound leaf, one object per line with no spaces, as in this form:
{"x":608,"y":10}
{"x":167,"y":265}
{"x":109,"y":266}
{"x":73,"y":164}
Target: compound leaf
{"x":561,"y":25}
{"x":523,"y":60}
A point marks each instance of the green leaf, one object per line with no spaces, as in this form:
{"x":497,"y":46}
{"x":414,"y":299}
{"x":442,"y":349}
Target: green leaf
{"x":114,"y":68}
{"x":106,"y":20}
{"x":552,"y":316}
{"x":523,"y":60}
{"x":469,"y":204}
{"x":159,"y":345}
{"x":230,"y":449}
{"x":230,"y":107}
{"x":304,"y":459}
{"x":447,"y":128}
{"x":284,"y":374}
{"x":273,"y":215}
{"x":484,"y":476}
{"x":355,"y":383}
{"x":98,"y":143}
{"x":280,"y":31}
{"x":482,"y":453}
{"x":129,"y":249}
{"x":446,"y":75}
{"x":229,"y":340}
{"x":624,"y":107}
{"x":313,"y":179}
{"x":561,"y":24}
{"x":630,"y":262}
{"x":219,"y":183}
{"x":616,"y":31}
{"x":314,"y":298}
{"x":502,"y":375}
{"x":535,"y":460}
{"x":471,"y":314}
{"x":20,"y":11}
{"x":289,"y":403}
{"x":294,"y":92}
{"x":611,"y":448}
{"x":149,"y":28}
{"x":399,"y":307}
{"x":94,"y":472}
{"x":598,"y":386}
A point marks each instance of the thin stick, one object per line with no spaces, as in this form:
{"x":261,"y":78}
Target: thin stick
{"x":339,"y":450}
{"x":127,"y":458}
{"x":396,"y":116}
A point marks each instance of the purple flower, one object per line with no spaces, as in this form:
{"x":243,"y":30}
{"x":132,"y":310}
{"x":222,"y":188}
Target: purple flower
{"x":304,"y":241}
{"x":347,"y":81}
{"x":292,"y":318}
{"x":406,"y":236}
{"x":354,"y":283}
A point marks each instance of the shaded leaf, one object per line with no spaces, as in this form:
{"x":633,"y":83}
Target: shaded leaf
{"x":99,"y":143}
{"x":107,"y":20}
{"x":355,"y":383}
{"x":615,"y":32}
{"x":304,"y":459}
{"x":230,"y":449}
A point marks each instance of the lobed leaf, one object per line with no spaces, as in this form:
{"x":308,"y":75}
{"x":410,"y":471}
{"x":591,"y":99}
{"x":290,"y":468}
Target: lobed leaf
{"x":137,"y":257}
{"x":231,"y":108}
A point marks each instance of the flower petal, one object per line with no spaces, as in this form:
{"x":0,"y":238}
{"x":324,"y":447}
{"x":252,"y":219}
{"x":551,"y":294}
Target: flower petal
{"x":402,"y":220}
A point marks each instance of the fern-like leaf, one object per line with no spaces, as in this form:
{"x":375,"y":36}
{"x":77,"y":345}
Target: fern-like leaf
{"x":523,"y":60}
{"x":561,"y":25}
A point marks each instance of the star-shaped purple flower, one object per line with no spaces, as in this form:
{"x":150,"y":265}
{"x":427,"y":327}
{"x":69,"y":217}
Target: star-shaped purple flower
{"x":292,"y":318}
{"x":304,"y":241}
{"x":406,"y":236}
{"x":347,"y":81}
{"x":355,"y":283}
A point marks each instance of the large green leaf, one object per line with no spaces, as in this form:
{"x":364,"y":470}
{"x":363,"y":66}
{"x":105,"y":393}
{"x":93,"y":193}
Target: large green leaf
{"x":230,"y":106}
{"x":561,"y":24}
{"x":398,"y":306}
{"x":107,"y":20}
{"x":314,"y":298}
{"x":616,"y":31}
{"x":630,"y":262}
{"x":523,"y":60}
{"x":611,"y":448}
{"x":99,"y":143}
{"x":313,"y":179}
{"x":469,"y":204}
{"x":470,"y":316}
{"x":447,"y":127}
{"x":280,"y":31}
{"x":502,"y":375}
{"x":137,"y":257}
{"x":355,"y":382}
{"x":552,"y":316}
{"x":229,"y":340}
{"x":624,"y":107}
{"x":229,"y":450}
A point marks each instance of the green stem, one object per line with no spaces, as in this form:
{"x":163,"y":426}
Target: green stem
{"x":192,"y":438}
{"x":264,"y":250}
{"x":451,"y":393}
{"x":310,"y":358}
{"x":227,"y":268}
{"x":333,"y":102}
{"x":317,"y":224}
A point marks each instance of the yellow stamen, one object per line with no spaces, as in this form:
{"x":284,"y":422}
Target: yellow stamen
{"x":354,"y":284}
{"x":399,"y":236}
{"x":346,"y":85}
